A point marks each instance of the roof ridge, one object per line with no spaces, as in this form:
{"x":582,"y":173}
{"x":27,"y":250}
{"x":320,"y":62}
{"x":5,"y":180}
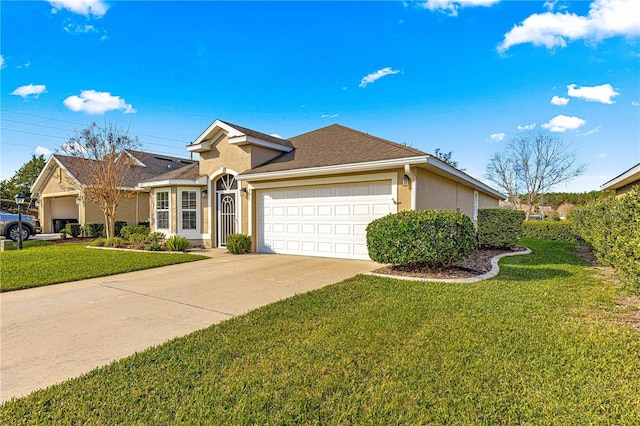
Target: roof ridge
{"x":359,"y":132}
{"x":244,"y":129}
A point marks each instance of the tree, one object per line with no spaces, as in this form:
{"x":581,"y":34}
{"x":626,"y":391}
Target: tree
{"x":23,"y":179}
{"x":447,"y":158}
{"x":105,"y":169}
{"x":531,"y":164}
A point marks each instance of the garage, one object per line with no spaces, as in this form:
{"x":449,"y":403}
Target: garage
{"x":326,"y":221}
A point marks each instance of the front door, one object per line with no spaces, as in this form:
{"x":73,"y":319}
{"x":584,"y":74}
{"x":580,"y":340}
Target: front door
{"x":226,"y":207}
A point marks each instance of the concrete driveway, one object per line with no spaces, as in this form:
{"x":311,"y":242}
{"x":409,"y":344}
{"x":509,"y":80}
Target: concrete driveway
{"x":52,"y":333}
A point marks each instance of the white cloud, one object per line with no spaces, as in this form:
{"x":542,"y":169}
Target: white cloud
{"x":451,"y":6}
{"x":602,"y":93}
{"x":329,"y":115}
{"x":275,"y":135}
{"x":96,"y":8}
{"x":73,"y":28}
{"x":34,"y":90}
{"x":602,"y":155}
{"x":527,"y":126}
{"x":93,"y":102}
{"x":25,"y":65}
{"x":562,"y":123}
{"x":41,"y":150}
{"x":2,"y":63}
{"x":374,"y":76}
{"x":591,"y":132}
{"x":635,"y":103}
{"x":560,"y":101}
{"x":606,"y":19}
{"x":497,"y":136}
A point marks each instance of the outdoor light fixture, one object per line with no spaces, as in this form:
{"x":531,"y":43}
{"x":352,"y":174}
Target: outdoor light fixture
{"x":405,"y":180}
{"x":79,"y":199}
{"x":20,"y":201}
{"x":204,"y":193}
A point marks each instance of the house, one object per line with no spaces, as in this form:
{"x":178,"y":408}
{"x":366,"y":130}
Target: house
{"x":624,"y":182}
{"x":60,"y":190}
{"x":313,"y":194}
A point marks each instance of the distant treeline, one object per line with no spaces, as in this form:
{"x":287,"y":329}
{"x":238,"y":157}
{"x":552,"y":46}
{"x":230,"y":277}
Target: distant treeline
{"x":556,"y":199}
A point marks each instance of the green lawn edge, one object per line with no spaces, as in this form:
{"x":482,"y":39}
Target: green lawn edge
{"x":43,"y":263}
{"x":535,"y":345}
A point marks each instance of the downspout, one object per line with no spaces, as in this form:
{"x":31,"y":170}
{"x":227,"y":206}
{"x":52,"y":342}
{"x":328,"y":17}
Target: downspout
{"x":412,"y":185}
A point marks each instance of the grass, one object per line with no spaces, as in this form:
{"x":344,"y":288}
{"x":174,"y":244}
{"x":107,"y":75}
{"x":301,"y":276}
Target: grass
{"x":532,"y":346}
{"x":42,"y":263}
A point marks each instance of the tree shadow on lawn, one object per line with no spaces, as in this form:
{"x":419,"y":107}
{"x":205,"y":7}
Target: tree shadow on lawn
{"x":531,"y":273}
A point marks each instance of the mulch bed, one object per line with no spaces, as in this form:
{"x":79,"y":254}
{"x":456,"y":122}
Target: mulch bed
{"x":477,"y":264}
{"x":72,"y":240}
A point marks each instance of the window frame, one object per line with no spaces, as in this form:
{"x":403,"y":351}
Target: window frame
{"x":180,"y":211}
{"x":156,"y":210}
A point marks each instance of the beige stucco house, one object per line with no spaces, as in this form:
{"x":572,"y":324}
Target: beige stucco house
{"x":625,"y":181}
{"x":60,"y":190}
{"x":312,"y":194}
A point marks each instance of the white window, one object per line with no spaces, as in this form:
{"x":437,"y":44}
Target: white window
{"x":163,"y":216}
{"x":189,"y":206}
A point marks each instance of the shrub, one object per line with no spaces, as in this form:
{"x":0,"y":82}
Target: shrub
{"x":550,"y":230}
{"x":117,"y":227}
{"x":94,"y":229}
{"x":99,"y":242}
{"x":238,"y":243}
{"x":612,"y":228}
{"x":128,"y":231}
{"x":176,"y":243}
{"x":116,"y":242}
{"x":156,"y":238}
{"x":499,"y":228}
{"x":435,"y":238}
{"x":73,"y":229}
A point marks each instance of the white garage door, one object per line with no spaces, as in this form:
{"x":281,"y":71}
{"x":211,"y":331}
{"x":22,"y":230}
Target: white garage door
{"x":327,"y":221}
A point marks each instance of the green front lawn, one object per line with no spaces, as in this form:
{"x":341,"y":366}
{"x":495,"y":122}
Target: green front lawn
{"x":536,"y":345}
{"x":42,"y":263}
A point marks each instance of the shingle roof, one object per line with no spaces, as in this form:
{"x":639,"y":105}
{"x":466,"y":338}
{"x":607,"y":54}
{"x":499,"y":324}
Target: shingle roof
{"x":335,"y":145}
{"x":260,"y":135}
{"x":154,"y":165}
{"x":189,"y":172}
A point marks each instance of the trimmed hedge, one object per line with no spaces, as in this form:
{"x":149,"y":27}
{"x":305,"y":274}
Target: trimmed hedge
{"x":550,"y":230}
{"x":499,"y":228}
{"x":612,"y":228}
{"x":117,"y":227}
{"x":128,"y":231}
{"x":435,"y":238}
{"x":238,"y":243}
{"x":73,"y":228}
{"x":94,"y":229}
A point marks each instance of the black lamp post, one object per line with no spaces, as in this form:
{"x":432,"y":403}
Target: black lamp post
{"x":20,"y":201}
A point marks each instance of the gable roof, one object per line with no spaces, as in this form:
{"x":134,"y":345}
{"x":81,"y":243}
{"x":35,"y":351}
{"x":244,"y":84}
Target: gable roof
{"x":147,"y":166}
{"x":335,"y":145}
{"x":630,"y":176}
{"x":184,"y":175}
{"x":237,"y":135}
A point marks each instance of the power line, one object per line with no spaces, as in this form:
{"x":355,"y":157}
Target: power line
{"x":84,"y":124}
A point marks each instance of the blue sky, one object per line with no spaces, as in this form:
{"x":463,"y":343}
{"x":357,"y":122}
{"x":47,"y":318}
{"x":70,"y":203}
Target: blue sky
{"x":463,"y":76}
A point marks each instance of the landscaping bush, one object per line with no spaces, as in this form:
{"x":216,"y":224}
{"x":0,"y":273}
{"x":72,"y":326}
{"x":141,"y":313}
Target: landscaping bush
{"x":434,"y":238}
{"x":98,"y":242}
{"x":116,"y":242}
{"x":612,"y":228}
{"x":176,"y":243}
{"x":499,"y":228}
{"x":550,"y":230}
{"x":238,"y":243}
{"x":73,"y":228}
{"x":130,"y":230}
{"x":94,"y":229}
{"x":117,"y":227}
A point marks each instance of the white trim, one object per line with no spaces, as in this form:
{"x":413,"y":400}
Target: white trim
{"x":169,"y":182}
{"x":61,"y":194}
{"x":465,"y":177}
{"x":413,"y":185}
{"x":140,"y":163}
{"x":54,"y":159}
{"x":166,"y":231}
{"x":335,"y":169}
{"x":623,"y":179}
{"x":476,"y":203}
{"x":234,"y":136}
{"x":245,"y":140}
{"x":180,"y":229}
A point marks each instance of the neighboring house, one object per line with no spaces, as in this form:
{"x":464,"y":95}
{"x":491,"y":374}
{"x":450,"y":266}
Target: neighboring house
{"x":312,"y":194}
{"x":60,"y":190}
{"x":624,"y":182}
